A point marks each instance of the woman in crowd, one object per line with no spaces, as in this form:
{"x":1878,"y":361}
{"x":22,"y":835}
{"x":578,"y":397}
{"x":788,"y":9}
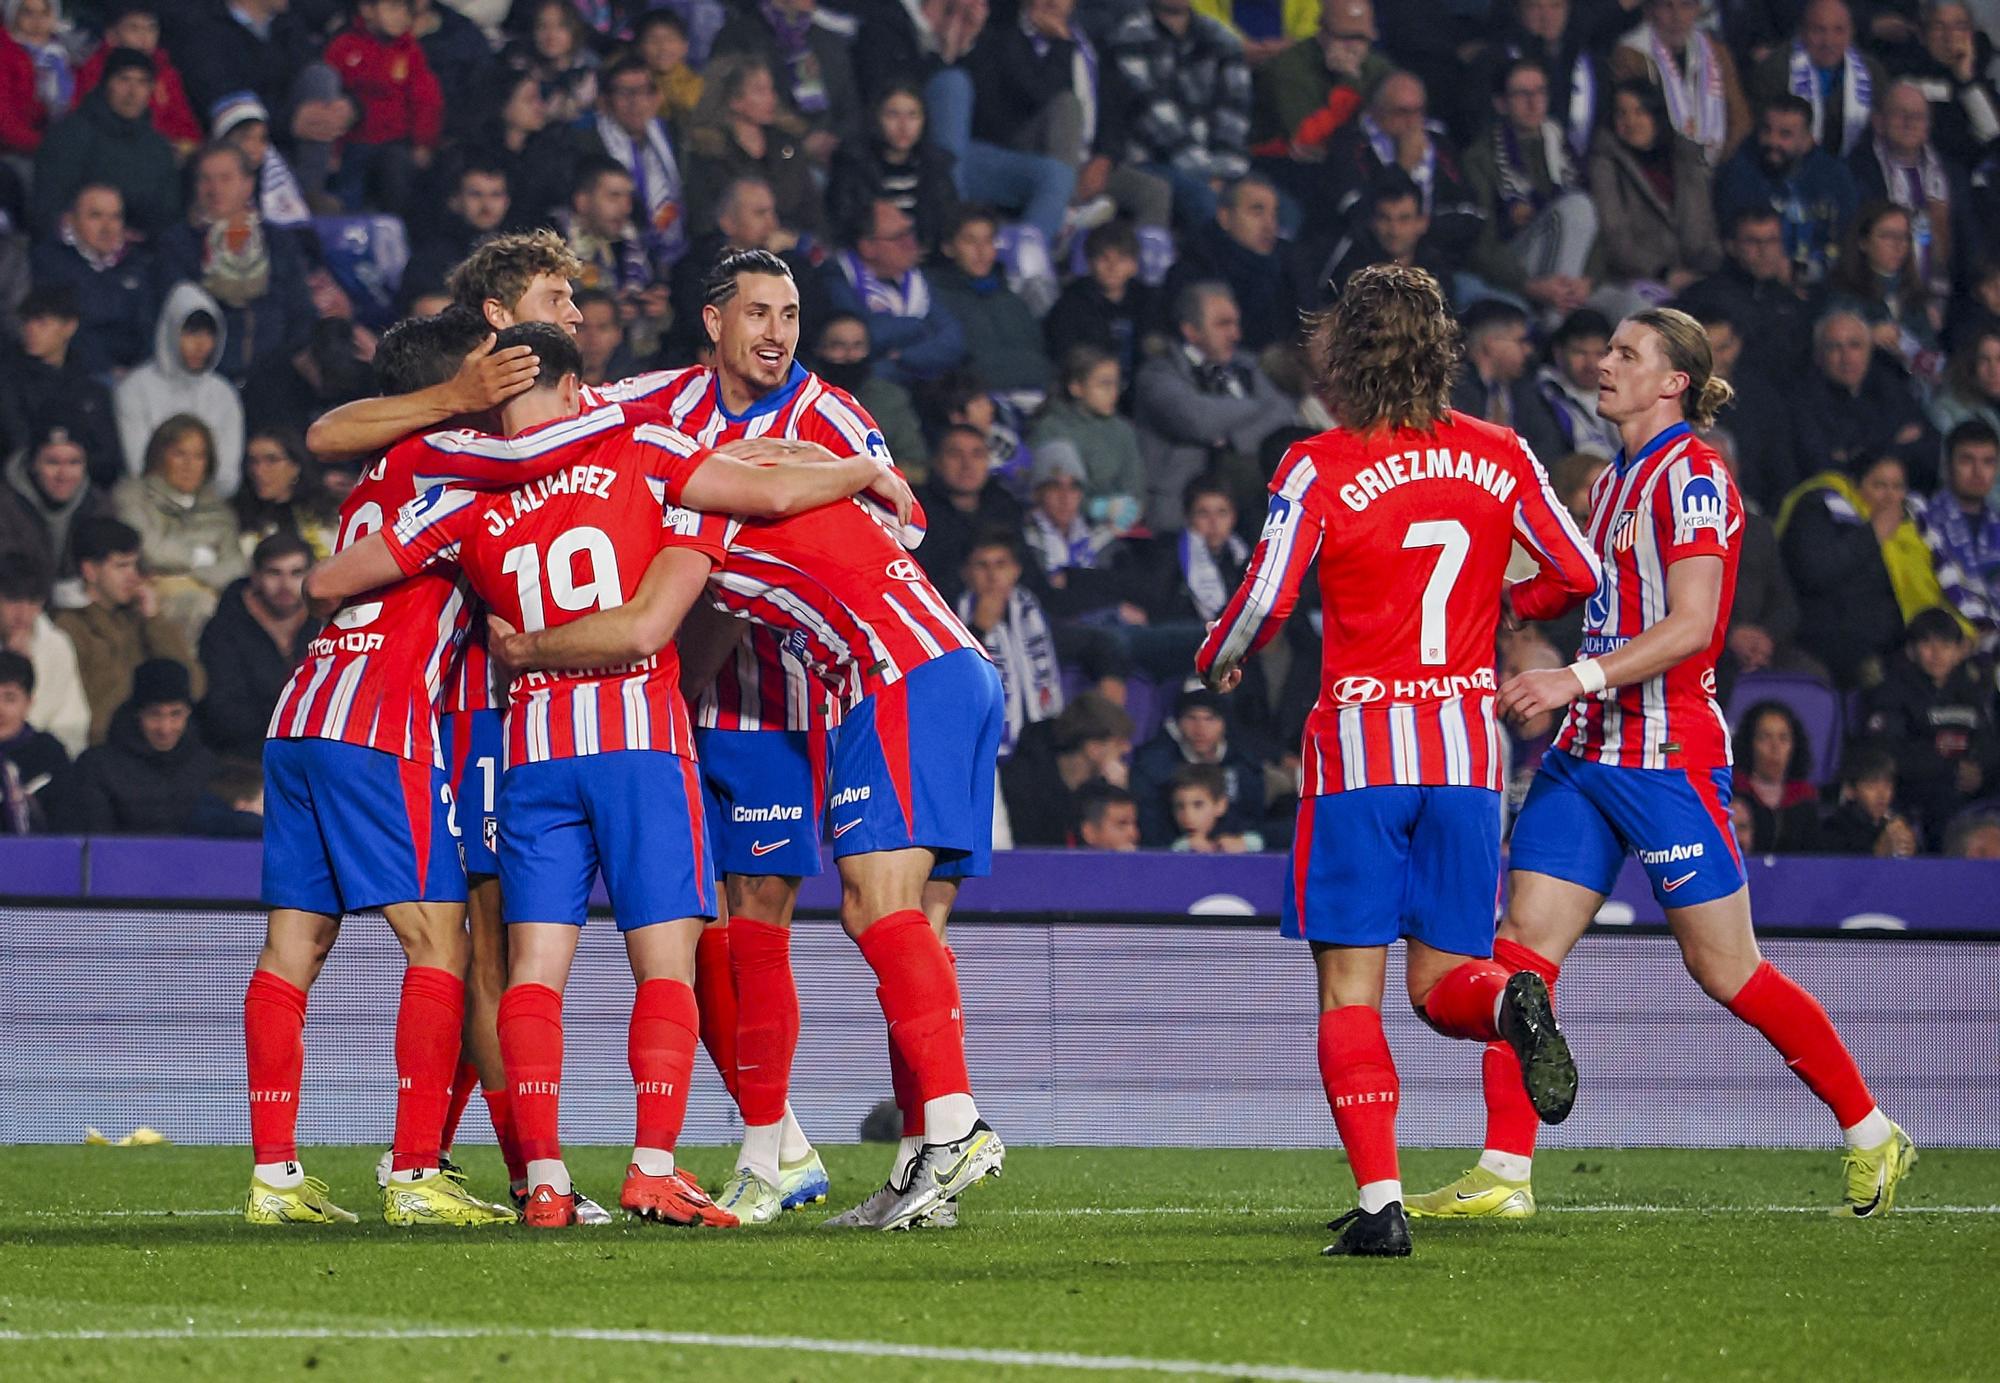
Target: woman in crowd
{"x":738,"y":129}
{"x":537,"y":152}
{"x":1876,"y":276}
{"x":1651,"y":185}
{"x":1773,"y":775}
{"x":558,"y":54}
{"x":1971,"y":385}
{"x":187,"y":532}
{"x":282,"y":493}
{"x":1860,"y":566}
{"x":895,"y":164}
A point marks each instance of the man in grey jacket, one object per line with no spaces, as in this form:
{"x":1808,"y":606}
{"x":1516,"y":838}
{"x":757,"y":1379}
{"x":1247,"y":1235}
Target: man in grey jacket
{"x":1203,"y":404}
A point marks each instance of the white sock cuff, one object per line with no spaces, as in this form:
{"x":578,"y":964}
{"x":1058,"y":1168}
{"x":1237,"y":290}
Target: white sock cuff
{"x":1377,"y":1195}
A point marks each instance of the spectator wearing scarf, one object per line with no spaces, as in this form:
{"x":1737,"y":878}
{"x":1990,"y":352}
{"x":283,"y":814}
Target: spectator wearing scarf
{"x":808,"y":60}
{"x":914,"y":337}
{"x":1900,"y":164}
{"x":1540,"y":225}
{"x":629,"y":128}
{"x":1012,"y":625}
{"x":1824,"y":69}
{"x":1695,"y":73}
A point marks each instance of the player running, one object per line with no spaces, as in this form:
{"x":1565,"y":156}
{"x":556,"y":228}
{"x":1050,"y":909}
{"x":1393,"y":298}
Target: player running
{"x":1641,"y":765}
{"x":1412,"y":512}
{"x":910,"y":780}
{"x":762,"y":726}
{"x":599,"y":762}
{"x":358,"y":816}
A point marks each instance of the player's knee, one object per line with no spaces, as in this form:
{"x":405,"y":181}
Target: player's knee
{"x":1720,"y":977}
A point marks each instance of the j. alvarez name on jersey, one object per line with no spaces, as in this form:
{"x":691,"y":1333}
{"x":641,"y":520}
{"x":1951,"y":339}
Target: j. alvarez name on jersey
{"x":573,"y":480}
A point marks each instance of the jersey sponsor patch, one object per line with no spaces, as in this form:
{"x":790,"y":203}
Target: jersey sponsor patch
{"x":875,"y":445}
{"x":1699,"y":505}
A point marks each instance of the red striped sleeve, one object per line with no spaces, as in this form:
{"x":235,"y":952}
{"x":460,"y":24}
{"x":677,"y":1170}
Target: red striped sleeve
{"x":1277,"y":569}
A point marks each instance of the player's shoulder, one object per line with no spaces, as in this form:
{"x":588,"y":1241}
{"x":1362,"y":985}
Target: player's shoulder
{"x":651,"y":385}
{"x":844,"y":413}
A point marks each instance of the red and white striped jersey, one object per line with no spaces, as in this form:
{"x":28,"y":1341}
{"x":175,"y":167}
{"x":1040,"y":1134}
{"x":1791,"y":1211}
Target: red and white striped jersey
{"x":841,"y":594}
{"x":575,"y":541}
{"x":1674,"y":500}
{"x":374,"y":674}
{"x":1412,"y":531}
{"x":761,"y":686}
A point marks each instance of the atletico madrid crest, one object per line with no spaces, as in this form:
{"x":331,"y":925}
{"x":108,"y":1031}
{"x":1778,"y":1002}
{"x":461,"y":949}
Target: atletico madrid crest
{"x":1627,"y":531}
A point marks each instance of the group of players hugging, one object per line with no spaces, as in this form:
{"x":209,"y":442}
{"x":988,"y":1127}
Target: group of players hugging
{"x":669,"y":630}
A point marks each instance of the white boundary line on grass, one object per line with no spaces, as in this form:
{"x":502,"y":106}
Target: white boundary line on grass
{"x":1162,"y":1211}
{"x":797,"y":1344}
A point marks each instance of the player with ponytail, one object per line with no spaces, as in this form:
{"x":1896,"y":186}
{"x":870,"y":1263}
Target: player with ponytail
{"x":1641,"y":765}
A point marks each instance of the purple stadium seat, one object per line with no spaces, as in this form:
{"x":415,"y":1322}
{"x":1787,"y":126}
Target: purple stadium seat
{"x":1816,"y":705}
{"x":1147,"y":706}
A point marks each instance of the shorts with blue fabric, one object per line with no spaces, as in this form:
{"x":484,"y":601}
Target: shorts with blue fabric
{"x":1375,"y":864}
{"x":476,"y":743}
{"x":634,"y":813}
{"x":913,"y":765}
{"x":765,"y":792}
{"x":347,"y":827}
{"x":1582,"y":818}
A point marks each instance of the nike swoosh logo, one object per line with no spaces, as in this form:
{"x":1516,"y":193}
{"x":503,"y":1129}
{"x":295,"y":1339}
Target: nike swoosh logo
{"x":1473,"y":1197}
{"x":760,"y":849}
{"x":844,"y":827}
{"x":1670,"y":885}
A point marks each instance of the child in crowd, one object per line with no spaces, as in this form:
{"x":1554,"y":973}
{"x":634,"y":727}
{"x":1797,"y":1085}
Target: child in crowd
{"x":1932,"y":713}
{"x":382,"y":66}
{"x":661,"y":39}
{"x":1865,"y":822}
{"x":30,"y":759}
{"x":1201,"y":800}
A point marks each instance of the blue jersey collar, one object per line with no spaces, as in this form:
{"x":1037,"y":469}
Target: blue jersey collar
{"x":770,"y":403}
{"x":1666,"y":438}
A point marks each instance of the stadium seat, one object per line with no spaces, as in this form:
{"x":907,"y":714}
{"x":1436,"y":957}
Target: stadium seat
{"x":1147,"y":707}
{"x":1817,"y":706}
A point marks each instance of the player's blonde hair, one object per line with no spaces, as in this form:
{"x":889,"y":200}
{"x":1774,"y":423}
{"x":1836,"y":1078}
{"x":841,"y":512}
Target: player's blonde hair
{"x":1385,"y":352}
{"x":501,"y":269}
{"x":1685,"y":344}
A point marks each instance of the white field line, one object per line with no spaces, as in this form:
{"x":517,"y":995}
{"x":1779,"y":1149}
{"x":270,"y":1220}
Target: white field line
{"x":787,"y":1344}
{"x":1161,"y":1211}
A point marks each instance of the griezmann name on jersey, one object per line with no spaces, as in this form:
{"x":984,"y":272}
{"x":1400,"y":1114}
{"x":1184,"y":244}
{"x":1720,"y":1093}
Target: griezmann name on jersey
{"x":1412,"y":531}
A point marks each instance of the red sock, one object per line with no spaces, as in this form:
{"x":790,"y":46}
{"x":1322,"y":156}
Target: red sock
{"x":1793,"y":1022}
{"x":1511,"y":1121}
{"x":428,"y":1022}
{"x":1461,"y":1004}
{"x":500,"y":1109}
{"x":952,"y":956}
{"x":1361,"y":1085}
{"x":531,"y":1044}
{"x":903,"y":1080}
{"x":274,"y":1053}
{"x":463,"y":1082}
{"x":715,"y":996}
{"x":767,"y":1017}
{"x":660,"y":1046}
{"x":920,"y":999}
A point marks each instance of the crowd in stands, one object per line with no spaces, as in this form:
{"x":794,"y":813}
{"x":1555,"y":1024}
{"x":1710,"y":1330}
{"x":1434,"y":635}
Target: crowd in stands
{"x":1060,"y":249}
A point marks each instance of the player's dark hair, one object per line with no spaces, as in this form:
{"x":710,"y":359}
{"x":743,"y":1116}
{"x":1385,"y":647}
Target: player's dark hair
{"x":277,"y":548}
{"x":1799,"y":765}
{"x":23,"y":577}
{"x":1973,"y":432}
{"x":422,"y":351}
{"x":93,"y":540}
{"x":17,"y":671}
{"x":1686,"y":348}
{"x":556,"y":352}
{"x":501,"y":269}
{"x":720,"y":285}
{"x":1093,"y":800}
{"x":1385,"y":352}
{"x":1210,"y":778}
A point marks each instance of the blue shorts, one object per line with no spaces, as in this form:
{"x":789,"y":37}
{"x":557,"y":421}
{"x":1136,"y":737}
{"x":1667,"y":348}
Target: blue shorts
{"x":765,"y":791}
{"x":913,"y":765}
{"x":1373,"y":864}
{"x":1582,"y":818}
{"x":476,"y":748}
{"x":635,"y":813}
{"x":347,"y":827}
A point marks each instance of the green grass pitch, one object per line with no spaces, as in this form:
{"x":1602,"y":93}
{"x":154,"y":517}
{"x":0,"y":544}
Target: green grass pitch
{"x":1118,"y":1263}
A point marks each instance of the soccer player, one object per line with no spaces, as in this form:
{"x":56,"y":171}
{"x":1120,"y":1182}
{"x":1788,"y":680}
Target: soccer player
{"x":1411,"y":511}
{"x":1641,"y":765}
{"x":357,"y":816}
{"x":599,"y":767}
{"x":910,"y":783}
{"x":762,"y":728}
